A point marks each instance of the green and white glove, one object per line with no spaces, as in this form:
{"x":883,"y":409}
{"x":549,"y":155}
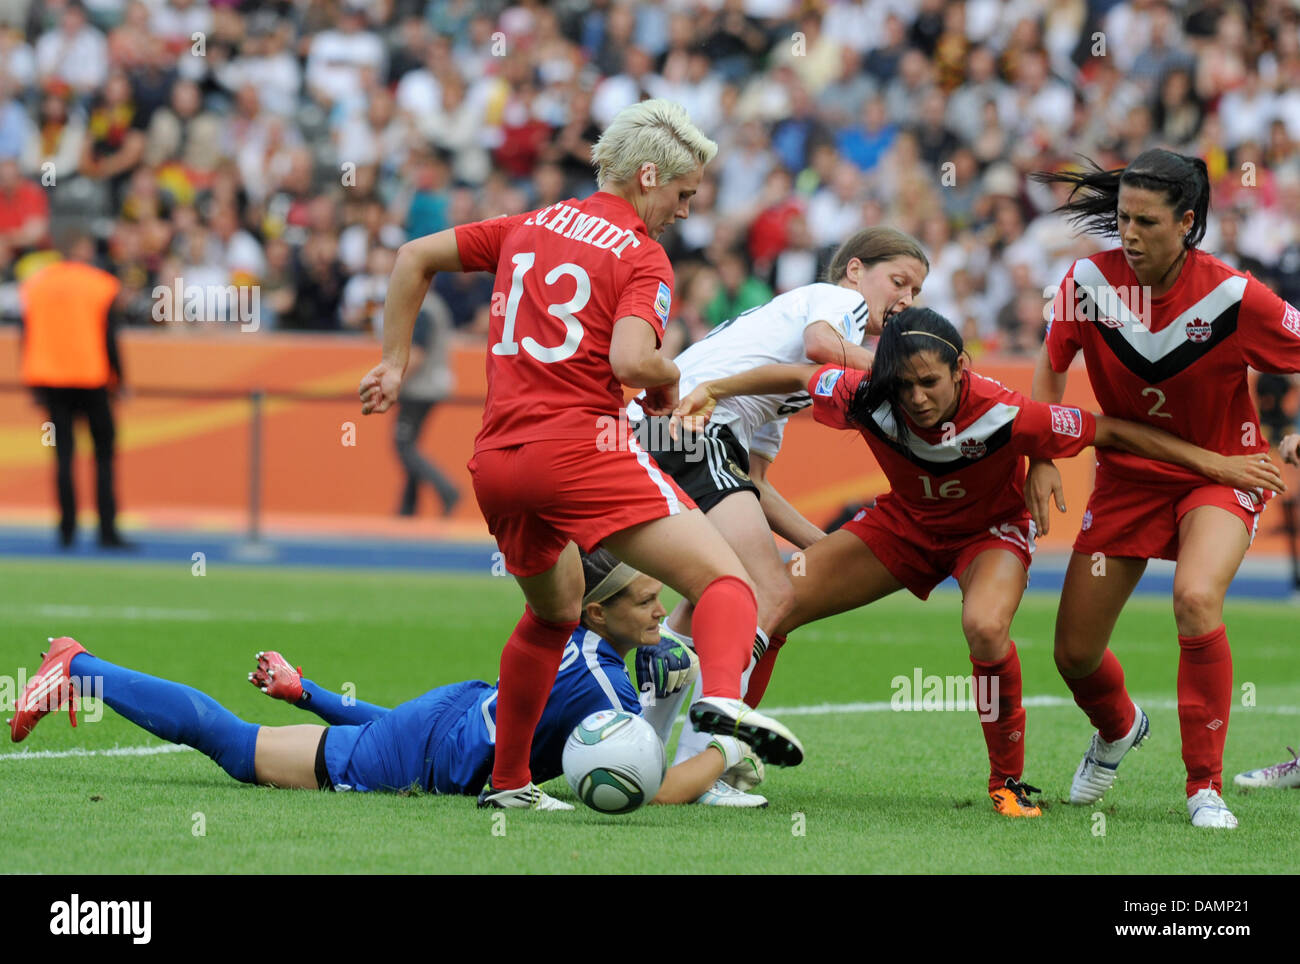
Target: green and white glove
{"x":744,"y":770}
{"x":669,"y":667}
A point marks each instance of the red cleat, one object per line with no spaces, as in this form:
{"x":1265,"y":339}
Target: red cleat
{"x":276,"y":678}
{"x":48,"y":690}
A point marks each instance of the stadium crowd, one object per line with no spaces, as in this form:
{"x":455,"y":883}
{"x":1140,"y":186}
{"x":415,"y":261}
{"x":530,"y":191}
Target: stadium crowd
{"x":294,"y":145}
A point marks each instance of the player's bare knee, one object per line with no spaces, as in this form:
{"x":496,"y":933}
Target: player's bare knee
{"x":1198,"y":609}
{"x":987,"y":633}
{"x":775,"y":602}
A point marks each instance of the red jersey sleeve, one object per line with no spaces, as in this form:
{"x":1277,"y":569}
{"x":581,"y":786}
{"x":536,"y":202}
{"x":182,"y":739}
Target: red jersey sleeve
{"x":1269,"y":330}
{"x":1063,"y":341}
{"x":1044,"y":431}
{"x":648,"y":293}
{"x":480,"y":243}
{"x":832,"y":389}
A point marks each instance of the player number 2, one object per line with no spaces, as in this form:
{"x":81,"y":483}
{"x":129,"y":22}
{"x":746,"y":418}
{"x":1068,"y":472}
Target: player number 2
{"x":949,"y":490}
{"x":573,"y":330}
{"x":1160,"y":400}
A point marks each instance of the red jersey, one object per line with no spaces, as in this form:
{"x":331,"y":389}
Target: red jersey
{"x":962,"y":475}
{"x":564,"y":275}
{"x":1177,"y":362}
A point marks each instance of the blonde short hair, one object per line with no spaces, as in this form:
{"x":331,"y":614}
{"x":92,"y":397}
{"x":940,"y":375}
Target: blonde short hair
{"x":659,"y":131}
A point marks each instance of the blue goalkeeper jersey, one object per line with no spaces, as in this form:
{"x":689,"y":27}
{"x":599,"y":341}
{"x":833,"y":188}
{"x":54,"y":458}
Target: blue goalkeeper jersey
{"x":592,"y":677}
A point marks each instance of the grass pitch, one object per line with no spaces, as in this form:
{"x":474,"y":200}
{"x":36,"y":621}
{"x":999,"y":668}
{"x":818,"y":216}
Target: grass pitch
{"x":881,"y":791}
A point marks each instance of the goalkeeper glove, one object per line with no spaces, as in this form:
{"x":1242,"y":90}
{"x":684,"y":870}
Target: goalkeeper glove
{"x":744,"y":770}
{"x":668,"y":667}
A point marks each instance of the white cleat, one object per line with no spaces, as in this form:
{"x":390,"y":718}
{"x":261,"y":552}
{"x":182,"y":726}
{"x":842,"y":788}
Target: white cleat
{"x":725,"y":795}
{"x":1278,"y":775}
{"x":1096,"y":772}
{"x":771,"y":740}
{"x":528,"y":797}
{"x":1207,"y":809}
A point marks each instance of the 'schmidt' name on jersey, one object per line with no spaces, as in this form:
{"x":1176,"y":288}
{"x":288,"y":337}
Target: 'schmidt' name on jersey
{"x":592,"y":229}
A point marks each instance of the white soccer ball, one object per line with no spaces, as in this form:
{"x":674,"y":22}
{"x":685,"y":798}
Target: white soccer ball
{"x":614,"y":761}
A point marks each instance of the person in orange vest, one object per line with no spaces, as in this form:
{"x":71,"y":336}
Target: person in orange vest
{"x":70,"y":360}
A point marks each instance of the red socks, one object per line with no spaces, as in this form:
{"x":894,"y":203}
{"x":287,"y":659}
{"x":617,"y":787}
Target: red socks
{"x":1102,"y":695}
{"x":724,"y":623}
{"x":762,"y":674}
{"x":528,"y":667}
{"x":997,"y":690}
{"x":1204,"y":701}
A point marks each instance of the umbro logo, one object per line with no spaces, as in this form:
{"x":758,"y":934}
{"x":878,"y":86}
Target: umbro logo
{"x":1214,"y":724}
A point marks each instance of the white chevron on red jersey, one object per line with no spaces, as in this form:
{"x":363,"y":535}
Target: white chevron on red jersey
{"x":968,"y":472}
{"x":564,"y":276}
{"x":1179,"y":362}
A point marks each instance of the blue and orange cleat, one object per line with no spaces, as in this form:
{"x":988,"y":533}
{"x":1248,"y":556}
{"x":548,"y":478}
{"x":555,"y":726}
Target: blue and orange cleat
{"x":48,"y":690}
{"x":276,"y":678}
{"x":1012,"y":799}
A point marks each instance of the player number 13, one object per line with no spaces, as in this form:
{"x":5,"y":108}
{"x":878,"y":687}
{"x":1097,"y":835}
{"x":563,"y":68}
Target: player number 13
{"x":573,"y":331}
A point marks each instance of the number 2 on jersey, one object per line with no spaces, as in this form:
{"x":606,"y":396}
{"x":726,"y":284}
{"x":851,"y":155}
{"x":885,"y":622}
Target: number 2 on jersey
{"x":1160,"y":400}
{"x":573,"y":330}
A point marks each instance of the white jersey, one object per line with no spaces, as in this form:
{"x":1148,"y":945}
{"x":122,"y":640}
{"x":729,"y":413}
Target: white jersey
{"x":771,"y":334}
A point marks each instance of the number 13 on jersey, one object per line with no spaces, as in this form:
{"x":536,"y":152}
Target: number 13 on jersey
{"x":573,"y":331}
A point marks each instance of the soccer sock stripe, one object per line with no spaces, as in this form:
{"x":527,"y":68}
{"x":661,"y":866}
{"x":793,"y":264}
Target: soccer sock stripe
{"x":1204,"y":702}
{"x":1102,"y":695}
{"x":529,"y":662}
{"x":176,"y":713}
{"x":726,"y":617}
{"x":997,"y":690}
{"x":755,"y":654}
{"x":762,"y":674}
{"x":337,"y":709}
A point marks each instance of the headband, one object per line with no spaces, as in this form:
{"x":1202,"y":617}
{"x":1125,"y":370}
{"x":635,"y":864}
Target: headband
{"x":619,"y":578}
{"x":931,"y":335}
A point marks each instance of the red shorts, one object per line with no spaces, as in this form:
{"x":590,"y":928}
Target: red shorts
{"x":539,"y":496}
{"x":921,"y":560}
{"x":1141,"y":520}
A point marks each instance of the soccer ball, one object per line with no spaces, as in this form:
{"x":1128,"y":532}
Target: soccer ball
{"x":614,"y":761}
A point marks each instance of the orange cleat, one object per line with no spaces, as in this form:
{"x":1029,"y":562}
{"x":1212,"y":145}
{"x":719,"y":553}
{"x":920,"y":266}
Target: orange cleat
{"x":1012,"y":799}
{"x":48,"y":690}
{"x":276,"y":678}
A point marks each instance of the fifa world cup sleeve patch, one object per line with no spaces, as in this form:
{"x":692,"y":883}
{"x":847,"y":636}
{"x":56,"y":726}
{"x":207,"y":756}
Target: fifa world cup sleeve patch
{"x":826,"y":384}
{"x":1066,"y":421}
{"x":1291,"y":320}
{"x":663,"y":301}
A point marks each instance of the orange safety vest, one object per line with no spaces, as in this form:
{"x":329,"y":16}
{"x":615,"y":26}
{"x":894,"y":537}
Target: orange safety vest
{"x":65,"y":320}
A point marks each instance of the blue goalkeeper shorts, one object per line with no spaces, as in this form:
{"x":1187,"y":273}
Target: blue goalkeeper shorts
{"x":428,"y":743}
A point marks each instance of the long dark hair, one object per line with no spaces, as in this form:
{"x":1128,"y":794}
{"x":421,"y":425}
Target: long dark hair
{"x":911,"y":331}
{"x":1183,"y":181}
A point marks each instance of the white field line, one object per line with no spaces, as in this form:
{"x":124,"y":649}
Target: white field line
{"x":146,"y":613}
{"x":820,"y":709}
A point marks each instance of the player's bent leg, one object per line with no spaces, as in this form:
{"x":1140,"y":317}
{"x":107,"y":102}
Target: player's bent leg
{"x":1212,"y":543}
{"x":173,"y":711}
{"x":286,"y":756}
{"x":992,"y":587}
{"x":529,"y":662}
{"x":740,"y":519}
{"x":1092,"y":597}
{"x":688,"y":553}
{"x":832,"y":576}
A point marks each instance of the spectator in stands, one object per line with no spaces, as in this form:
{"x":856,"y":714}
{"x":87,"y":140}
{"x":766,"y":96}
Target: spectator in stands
{"x":74,"y":52}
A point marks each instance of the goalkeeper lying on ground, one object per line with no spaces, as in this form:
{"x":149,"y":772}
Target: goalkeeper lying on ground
{"x":443,"y":741}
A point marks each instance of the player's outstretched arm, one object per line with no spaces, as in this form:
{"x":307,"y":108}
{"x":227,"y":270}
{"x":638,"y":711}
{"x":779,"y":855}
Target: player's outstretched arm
{"x":417,"y":262}
{"x":688,"y":780}
{"x":695,"y":409}
{"x":785,"y":520}
{"x":1239,"y":471}
{"x":1043,"y":483}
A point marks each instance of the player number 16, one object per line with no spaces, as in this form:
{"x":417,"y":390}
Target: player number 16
{"x":948,"y":490}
